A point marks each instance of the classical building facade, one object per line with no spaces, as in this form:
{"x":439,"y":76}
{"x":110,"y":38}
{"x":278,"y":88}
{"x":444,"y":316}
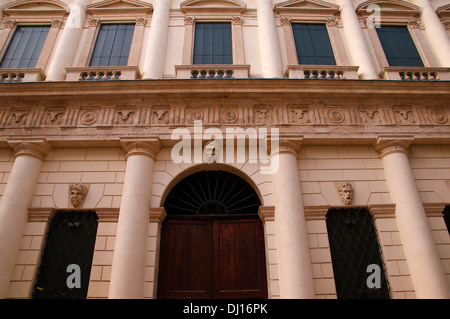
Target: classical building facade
{"x":225,"y":149}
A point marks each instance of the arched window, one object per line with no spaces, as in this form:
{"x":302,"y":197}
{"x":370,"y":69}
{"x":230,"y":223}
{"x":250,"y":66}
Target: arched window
{"x":212,"y":193}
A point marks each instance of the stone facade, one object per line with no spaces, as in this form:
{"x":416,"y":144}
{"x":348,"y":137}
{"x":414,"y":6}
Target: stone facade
{"x":388,"y":138}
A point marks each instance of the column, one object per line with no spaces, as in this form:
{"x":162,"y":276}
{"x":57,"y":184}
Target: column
{"x":436,"y":32}
{"x":67,"y":45}
{"x":269,"y":48}
{"x":128,"y":265}
{"x":294,"y":261}
{"x":423,"y":260}
{"x":29,"y":155}
{"x":359,"y":49}
{"x":157,"y":41}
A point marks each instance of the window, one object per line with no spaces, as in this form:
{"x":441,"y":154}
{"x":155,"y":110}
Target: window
{"x":398,"y":46}
{"x":354,"y":246}
{"x":113,"y":44}
{"x":25,"y":47}
{"x":212,"y":43}
{"x":313,"y":44}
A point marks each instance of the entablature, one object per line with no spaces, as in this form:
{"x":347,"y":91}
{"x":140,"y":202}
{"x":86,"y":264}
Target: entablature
{"x":347,"y":111}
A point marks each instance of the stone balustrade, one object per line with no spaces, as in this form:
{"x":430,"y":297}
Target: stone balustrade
{"x":102,"y":73}
{"x":21,"y":75}
{"x":331,"y":72}
{"x":219,"y":71}
{"x":415,"y":73}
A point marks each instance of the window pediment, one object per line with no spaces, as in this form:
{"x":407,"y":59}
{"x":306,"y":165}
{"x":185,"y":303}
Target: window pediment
{"x":312,"y":7}
{"x":35,"y":8}
{"x":223,"y":6}
{"x":119,"y":7}
{"x":443,"y":12}
{"x":391,"y":9}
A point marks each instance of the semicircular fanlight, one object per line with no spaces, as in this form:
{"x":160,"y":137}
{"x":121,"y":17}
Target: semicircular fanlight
{"x":212,"y":193}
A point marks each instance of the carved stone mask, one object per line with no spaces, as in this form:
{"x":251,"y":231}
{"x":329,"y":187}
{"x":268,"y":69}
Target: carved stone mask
{"x":346,"y":192}
{"x":78,"y":194}
{"x":210,"y":151}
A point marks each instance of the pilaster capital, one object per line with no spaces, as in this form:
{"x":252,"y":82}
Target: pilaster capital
{"x":141,"y":146}
{"x":157,"y":215}
{"x":285,"y":21}
{"x":56,"y":23}
{"x":141,"y":21}
{"x":266,"y":213}
{"x":288,"y":144}
{"x":8,"y":23}
{"x":382,"y":211}
{"x":316,"y":212}
{"x":386,"y":145}
{"x":38,"y":148}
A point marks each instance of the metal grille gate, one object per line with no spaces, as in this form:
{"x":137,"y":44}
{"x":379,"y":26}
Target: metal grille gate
{"x":446,"y":214}
{"x":354,"y":246}
{"x":70,"y":240}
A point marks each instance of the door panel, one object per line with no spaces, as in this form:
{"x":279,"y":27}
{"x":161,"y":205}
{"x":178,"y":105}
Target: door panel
{"x":186,"y":259}
{"x":239,"y":265}
{"x":212,"y":258}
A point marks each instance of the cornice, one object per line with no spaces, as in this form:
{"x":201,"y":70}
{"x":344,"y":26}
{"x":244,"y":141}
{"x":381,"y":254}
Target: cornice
{"x":218,"y":87}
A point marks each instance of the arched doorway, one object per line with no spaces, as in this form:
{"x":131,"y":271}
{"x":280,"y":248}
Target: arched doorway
{"x":212,"y":241}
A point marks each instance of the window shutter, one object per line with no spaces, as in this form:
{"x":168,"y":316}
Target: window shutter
{"x":25,"y":47}
{"x":313,"y":44}
{"x":212,"y":43}
{"x":113,"y":44}
{"x":398,"y":46}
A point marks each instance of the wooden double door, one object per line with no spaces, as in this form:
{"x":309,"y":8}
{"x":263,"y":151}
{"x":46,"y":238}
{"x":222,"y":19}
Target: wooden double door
{"x":212,"y":257}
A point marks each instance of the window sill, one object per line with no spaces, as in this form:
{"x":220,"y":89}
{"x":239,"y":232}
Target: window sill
{"x":22,"y":75}
{"x":406,"y":73}
{"x":333,"y":72}
{"x":212,"y":71}
{"x":102,"y":73}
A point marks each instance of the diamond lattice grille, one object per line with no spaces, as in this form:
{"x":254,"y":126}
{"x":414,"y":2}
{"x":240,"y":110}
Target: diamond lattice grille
{"x":70,"y":240}
{"x":354,"y":246}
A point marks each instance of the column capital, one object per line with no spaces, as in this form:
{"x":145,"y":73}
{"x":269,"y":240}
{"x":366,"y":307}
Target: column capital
{"x":288,"y":144}
{"x":386,"y":145}
{"x":38,"y":148}
{"x":149,"y":146}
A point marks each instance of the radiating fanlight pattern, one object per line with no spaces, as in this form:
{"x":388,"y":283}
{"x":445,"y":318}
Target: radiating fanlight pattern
{"x":212,"y":193}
